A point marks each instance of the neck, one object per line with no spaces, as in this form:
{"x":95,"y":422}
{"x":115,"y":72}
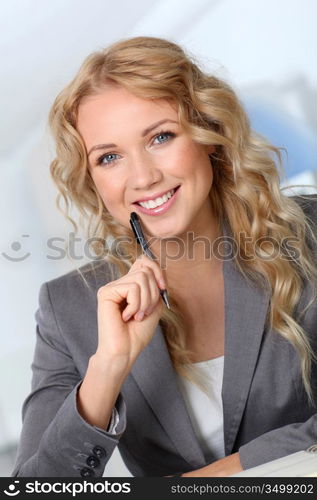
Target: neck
{"x":187,"y":257}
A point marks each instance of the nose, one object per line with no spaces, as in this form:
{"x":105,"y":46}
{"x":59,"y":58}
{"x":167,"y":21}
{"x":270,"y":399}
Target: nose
{"x":144,"y":173}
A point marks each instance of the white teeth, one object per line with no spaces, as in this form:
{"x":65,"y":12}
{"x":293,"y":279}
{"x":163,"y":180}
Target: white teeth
{"x":158,"y":201}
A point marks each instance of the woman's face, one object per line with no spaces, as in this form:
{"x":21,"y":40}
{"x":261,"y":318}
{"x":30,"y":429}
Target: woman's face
{"x":137,"y":150}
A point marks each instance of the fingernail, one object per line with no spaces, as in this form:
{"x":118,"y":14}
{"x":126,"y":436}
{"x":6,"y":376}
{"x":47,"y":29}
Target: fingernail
{"x":162,"y":283}
{"x":139,"y":316}
{"x":126,"y":317}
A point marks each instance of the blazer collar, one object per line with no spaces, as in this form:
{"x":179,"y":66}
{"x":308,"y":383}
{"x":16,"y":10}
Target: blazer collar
{"x":245,"y":313}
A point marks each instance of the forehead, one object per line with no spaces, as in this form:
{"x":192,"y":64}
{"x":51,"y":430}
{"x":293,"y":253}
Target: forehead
{"x":116,"y":105}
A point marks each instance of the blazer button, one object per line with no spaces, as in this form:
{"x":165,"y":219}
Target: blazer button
{"x":92,"y":461}
{"x":99,"y":452}
{"x":85,"y":472}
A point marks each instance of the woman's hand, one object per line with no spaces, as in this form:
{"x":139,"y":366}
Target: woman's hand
{"x":122,"y":330}
{"x":221,"y":468}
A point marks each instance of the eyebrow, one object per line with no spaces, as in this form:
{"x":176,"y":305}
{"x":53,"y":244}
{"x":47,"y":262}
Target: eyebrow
{"x":144,"y":133}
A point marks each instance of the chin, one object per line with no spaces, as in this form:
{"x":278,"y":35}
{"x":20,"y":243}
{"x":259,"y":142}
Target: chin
{"x":168,"y":235}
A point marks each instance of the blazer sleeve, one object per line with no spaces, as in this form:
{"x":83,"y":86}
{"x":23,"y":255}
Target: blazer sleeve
{"x":279,"y":443}
{"x":55,"y":439}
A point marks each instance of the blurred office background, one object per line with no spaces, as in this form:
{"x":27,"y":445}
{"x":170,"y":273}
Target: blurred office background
{"x":265,"y":48}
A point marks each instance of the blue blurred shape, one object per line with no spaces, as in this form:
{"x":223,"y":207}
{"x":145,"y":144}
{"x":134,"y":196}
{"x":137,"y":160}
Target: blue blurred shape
{"x":284,"y":131}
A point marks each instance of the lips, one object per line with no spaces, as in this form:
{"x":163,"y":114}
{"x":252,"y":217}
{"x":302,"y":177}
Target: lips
{"x":155,"y":196}
{"x":161,"y":209}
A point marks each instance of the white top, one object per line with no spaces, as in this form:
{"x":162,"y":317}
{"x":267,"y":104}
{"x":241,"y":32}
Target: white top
{"x":205,"y":411}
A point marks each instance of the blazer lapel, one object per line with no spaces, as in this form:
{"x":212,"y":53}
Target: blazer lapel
{"x":165,"y":399}
{"x":246,"y":308}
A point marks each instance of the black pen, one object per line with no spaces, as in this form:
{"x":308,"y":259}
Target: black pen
{"x":138,"y":233}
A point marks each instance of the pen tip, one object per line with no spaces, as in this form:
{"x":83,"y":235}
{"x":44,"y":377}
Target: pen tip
{"x":165,"y":297}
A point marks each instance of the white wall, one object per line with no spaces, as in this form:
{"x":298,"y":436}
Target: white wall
{"x":265,"y":49}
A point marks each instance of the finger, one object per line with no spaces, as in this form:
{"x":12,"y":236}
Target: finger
{"x":117,"y":293}
{"x":114,"y":296}
{"x":154,"y":291}
{"x":148,"y":284}
{"x":143,"y":261}
{"x":147,"y":265}
{"x":149,"y":289}
{"x":142,"y":280}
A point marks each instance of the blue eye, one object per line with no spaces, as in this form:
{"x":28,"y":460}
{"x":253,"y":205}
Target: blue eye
{"x":111,"y":158}
{"x":107,"y":159}
{"x":163,"y":137}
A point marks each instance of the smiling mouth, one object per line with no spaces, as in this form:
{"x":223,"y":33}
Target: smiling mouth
{"x":157,"y":202}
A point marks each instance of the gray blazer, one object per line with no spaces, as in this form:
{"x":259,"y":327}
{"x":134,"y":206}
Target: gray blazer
{"x":265,"y":408}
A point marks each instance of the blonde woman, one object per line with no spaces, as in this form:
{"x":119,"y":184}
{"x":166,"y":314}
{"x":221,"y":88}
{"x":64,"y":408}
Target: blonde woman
{"x":224,"y":380}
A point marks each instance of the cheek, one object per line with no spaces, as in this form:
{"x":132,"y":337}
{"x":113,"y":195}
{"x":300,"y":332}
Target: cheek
{"x":206,"y":165}
{"x":109,"y":191}
{"x":209,"y":174}
{"x":182,"y":163}
{"x":200,"y":169}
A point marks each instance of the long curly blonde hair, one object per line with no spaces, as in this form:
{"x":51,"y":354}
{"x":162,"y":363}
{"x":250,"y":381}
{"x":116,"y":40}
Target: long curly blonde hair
{"x":246,"y":183}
